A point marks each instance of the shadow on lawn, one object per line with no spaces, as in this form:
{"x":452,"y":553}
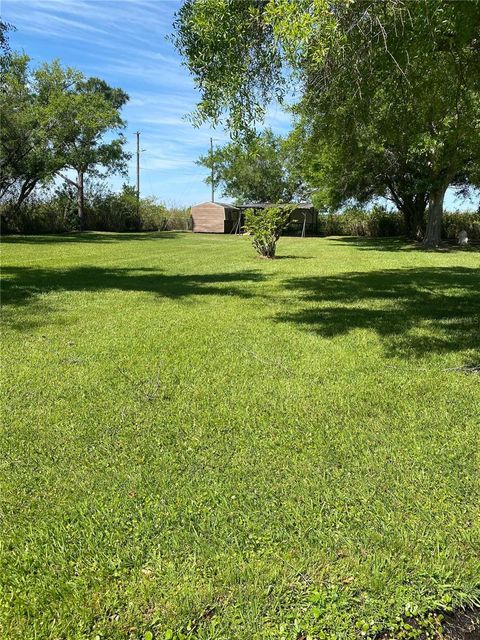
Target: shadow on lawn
{"x":399,"y":244}
{"x":414,"y":311}
{"x":88,"y":237}
{"x":22,"y":285}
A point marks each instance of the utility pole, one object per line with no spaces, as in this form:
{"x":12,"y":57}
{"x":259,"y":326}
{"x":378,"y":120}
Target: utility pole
{"x":211,"y":161}
{"x":138,"y":171}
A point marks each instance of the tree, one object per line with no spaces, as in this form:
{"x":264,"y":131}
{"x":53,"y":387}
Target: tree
{"x":343,"y":167}
{"x":257,"y":170}
{"x":27,"y":157}
{"x":86,"y":109}
{"x":54,"y":119}
{"x":397,"y":82}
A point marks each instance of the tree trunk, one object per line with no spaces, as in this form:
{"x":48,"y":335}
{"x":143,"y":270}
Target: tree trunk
{"x":27,"y":188}
{"x":433,"y":234}
{"x":413,"y":209}
{"x":80,"y":201}
{"x":413,"y":213}
{"x":418,"y":221}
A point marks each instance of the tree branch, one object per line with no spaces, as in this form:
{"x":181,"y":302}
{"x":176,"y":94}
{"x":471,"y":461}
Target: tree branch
{"x":69,"y":180}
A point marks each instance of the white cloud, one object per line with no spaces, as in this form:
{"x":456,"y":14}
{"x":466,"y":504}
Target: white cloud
{"x":124,"y":42}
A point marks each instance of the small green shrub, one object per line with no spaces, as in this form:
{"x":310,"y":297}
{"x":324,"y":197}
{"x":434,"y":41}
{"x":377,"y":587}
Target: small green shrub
{"x":265,"y":227}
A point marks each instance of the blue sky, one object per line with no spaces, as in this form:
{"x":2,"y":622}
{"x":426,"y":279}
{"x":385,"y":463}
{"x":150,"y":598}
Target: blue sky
{"x":124,"y":42}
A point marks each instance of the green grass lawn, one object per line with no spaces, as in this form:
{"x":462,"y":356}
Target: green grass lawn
{"x":199,"y":443}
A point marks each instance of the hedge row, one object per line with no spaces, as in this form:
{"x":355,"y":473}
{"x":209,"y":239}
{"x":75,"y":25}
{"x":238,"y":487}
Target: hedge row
{"x":378,"y":222}
{"x":104,"y":211}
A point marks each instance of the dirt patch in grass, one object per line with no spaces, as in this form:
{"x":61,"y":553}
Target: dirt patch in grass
{"x":458,"y":625}
{"x":463,"y":625}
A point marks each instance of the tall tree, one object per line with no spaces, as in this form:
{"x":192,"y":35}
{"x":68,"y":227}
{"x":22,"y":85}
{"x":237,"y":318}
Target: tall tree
{"x":27,"y":157}
{"x":346,"y":165}
{"x":54,"y":119}
{"x":399,"y":80}
{"x":257,"y":170}
{"x":86,"y":109}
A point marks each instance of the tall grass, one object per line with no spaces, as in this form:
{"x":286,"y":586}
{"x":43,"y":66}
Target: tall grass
{"x":48,"y":211}
{"x":379,"y":222}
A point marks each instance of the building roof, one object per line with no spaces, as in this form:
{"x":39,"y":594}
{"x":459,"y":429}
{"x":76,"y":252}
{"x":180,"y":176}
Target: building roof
{"x":217,"y":204}
{"x":264,"y":205}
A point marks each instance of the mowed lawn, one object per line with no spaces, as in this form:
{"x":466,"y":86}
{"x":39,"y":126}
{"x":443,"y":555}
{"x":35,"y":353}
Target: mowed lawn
{"x":198,"y":443}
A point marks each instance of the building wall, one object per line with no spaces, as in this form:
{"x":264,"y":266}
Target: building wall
{"x":208,"y":218}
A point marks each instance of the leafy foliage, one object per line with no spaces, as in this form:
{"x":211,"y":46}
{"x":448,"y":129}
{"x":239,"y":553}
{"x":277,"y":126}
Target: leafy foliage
{"x":261,"y":169}
{"x":265,"y":226}
{"x":86,"y":109}
{"x":378,"y":222}
{"x":28,"y":156}
{"x":231,"y":53}
{"x":389,"y":92}
{"x":354,"y":221}
{"x":55,"y":120}
{"x":456,"y":221}
{"x":55,"y":211}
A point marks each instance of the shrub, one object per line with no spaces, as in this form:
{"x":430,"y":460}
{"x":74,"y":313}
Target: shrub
{"x":159,"y":217}
{"x":47,"y":211}
{"x":355,"y":221}
{"x":378,"y":222}
{"x":383,"y":223}
{"x":42,"y":212}
{"x":109,"y":211}
{"x":265,"y":226}
{"x":456,"y":221}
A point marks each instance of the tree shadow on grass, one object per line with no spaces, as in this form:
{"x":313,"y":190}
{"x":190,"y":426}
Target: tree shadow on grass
{"x":399,"y":244}
{"x":376,"y":244}
{"x":413,"y":311}
{"x":23,"y":285}
{"x":89,"y":237}
{"x":292,"y":257}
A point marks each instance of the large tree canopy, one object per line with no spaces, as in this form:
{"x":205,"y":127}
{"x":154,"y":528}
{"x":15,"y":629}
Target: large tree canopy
{"x":27,"y":155}
{"x":55,"y":121}
{"x":259,"y":170}
{"x":389,"y":91}
{"x":86,"y":109}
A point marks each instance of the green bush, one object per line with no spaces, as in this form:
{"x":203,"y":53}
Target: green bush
{"x":41,"y":213}
{"x":456,"y":221}
{"x":56,"y":212}
{"x":379,"y":222}
{"x":265,"y":227}
{"x":108,"y":211}
{"x":159,"y":217}
{"x":355,"y":221}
